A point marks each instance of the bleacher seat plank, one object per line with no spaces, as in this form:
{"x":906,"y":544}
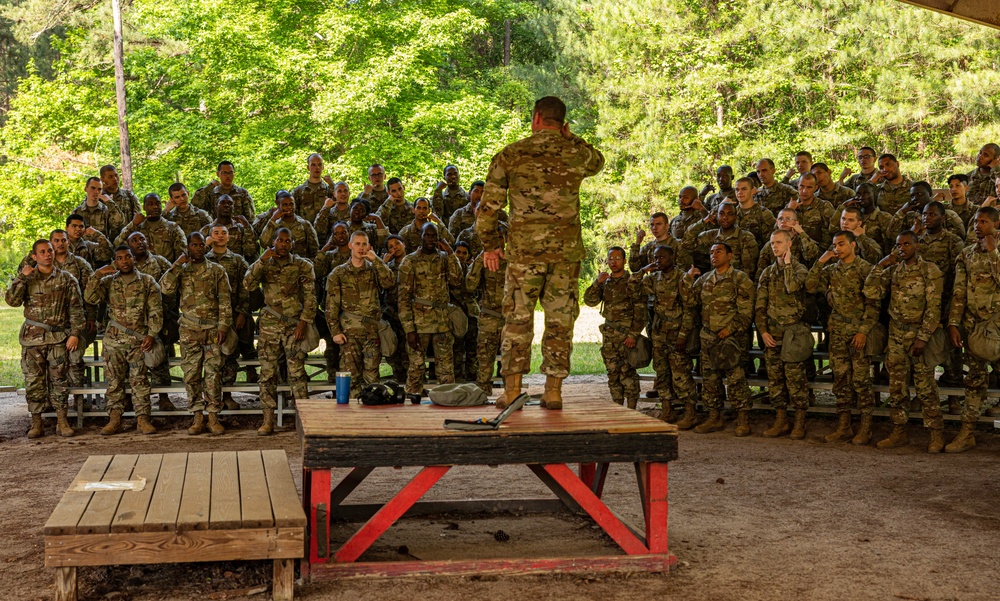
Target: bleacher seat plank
{"x":195,"y":500}
{"x":134,"y":504}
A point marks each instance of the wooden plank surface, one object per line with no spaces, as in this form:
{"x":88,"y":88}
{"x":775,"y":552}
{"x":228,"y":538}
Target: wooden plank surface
{"x":132,"y":509}
{"x":225,"y":512}
{"x":166,"y":501}
{"x":285,"y":501}
{"x":193,"y":513}
{"x":255,"y":502}
{"x":104,"y":505}
{"x":72,"y":505}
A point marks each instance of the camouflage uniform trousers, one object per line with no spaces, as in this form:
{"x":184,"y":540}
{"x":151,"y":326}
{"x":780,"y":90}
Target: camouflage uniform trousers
{"x":46,"y":376}
{"x":466,"y":364}
{"x":244,"y":348}
{"x":399,"y":362}
{"x":444,"y":360}
{"x":673,"y":370}
{"x":487,"y":347}
{"x":975,"y":388}
{"x":124,"y":362}
{"x":274,"y":343}
{"x":713,"y":392}
{"x":556,"y":286}
{"x":899,"y":363}
{"x":332,"y":351}
{"x":786,"y":382}
{"x":361,"y":355}
{"x":201,"y":362}
{"x":623,"y":381}
{"x":852,"y":372}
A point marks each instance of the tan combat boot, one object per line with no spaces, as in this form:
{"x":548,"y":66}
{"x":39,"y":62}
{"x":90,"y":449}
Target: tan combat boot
{"x":897,"y":438}
{"x":843,"y":431}
{"x":144,"y":425}
{"x":937,"y":441}
{"x":227,"y":400}
{"x":267,"y":428}
{"x":164,"y":403}
{"x":742,"y":424}
{"x":864,"y":435}
{"x":965,"y":440}
{"x":114,"y":425}
{"x":799,"y":429}
{"x":62,"y":424}
{"x":198,"y":425}
{"x":690,"y":417}
{"x":668,"y":413}
{"x":36,"y":430}
{"x":954,"y":405}
{"x":552,"y":397}
{"x":511,"y":390}
{"x":780,"y":426}
{"x":214,"y":427}
{"x":714,"y":423}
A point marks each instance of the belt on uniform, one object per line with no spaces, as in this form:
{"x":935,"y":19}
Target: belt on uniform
{"x":430,"y":303}
{"x":359,"y":317}
{"x":617,"y":328}
{"x":200,"y":322}
{"x":46,"y":326}
{"x":490,"y":313}
{"x":283,"y":318}
{"x":122,"y":328}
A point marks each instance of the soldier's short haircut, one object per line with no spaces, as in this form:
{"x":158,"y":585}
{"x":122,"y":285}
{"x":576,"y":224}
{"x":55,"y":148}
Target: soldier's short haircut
{"x":889,"y":156}
{"x":393,"y":180}
{"x":395,"y":237}
{"x":424,"y":199}
{"x":782,"y":234}
{"x":658,"y":215}
{"x":855,"y":210}
{"x":924,"y":185}
{"x":285,"y":230}
{"x":729,"y":249}
{"x":374,"y":165}
{"x":752,"y":176}
{"x":990,"y":212}
{"x":616,"y":248}
{"x":340,"y":183}
{"x":429,"y":224}
{"x":176,"y":187}
{"x":478,"y":183}
{"x":726,"y":202}
{"x":847,"y":234}
{"x":151,"y":196}
{"x":122,"y":247}
{"x":822,"y":166}
{"x":76,"y":217}
{"x":804,"y":153}
{"x":668,"y":249}
{"x":310,"y":157}
{"x":863,"y":148}
{"x":221,"y":197}
{"x":106,"y":168}
{"x":691,"y":189}
{"x":748,"y":181}
{"x":364,"y":203}
{"x":282,"y":194}
{"x":725,"y":168}
{"x":223,"y":164}
{"x":768,"y":161}
{"x":449,"y":166}
{"x":961,"y":177}
{"x":34,"y":247}
{"x":934,"y":204}
{"x":193,"y":234}
{"x":551,"y":110}
{"x":994,"y":147}
{"x":342,"y":224}
{"x":216,"y":226}
{"x":92,"y":179}
{"x":908,"y":233}
{"x":56,"y":231}
{"x":867,"y":186}
{"x":810,"y":176}
{"x":359,"y":234}
{"x":464,"y":244}
{"x":791,"y":212}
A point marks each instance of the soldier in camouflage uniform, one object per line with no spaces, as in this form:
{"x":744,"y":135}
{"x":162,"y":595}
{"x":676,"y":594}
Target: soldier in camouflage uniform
{"x":155,"y":266}
{"x":976,"y":300}
{"x":53,"y":319}
{"x":829,"y":190}
{"x":981,"y":179}
{"x":375,"y":192}
{"x":725,"y":298}
{"x":804,"y":249}
{"x":780,"y":303}
{"x":394,"y":255}
{"x":470,"y":238}
{"x":86,"y":242}
{"x":893,"y":186}
{"x":372,"y":225}
{"x":489,"y":287}
{"x":395,"y":213}
{"x":691,"y":211}
{"x":336,"y":208}
{"x":311,"y":194}
{"x":958,"y":185}
{"x":701,"y":236}
{"x":464,"y":297}
{"x":206,"y":315}
{"x":124,"y":200}
{"x":909,"y":215}
{"x":840,"y":275}
{"x":448,"y":196}
{"x":353,"y":312}
{"x":874,"y":220}
{"x":661,"y":281}
{"x":750,"y":215}
{"x":772,"y":194}
{"x":815,"y":215}
{"x":723,"y":177}
{"x":465,"y":216}
{"x":851,"y":220}
{"x":540,"y":176}
{"x":803,"y":164}
{"x":915,"y":288}
{"x":242,"y":239}
{"x":236,"y":268}
{"x":641,"y":255}
{"x":411,"y":232}
{"x":624,"y":310}
{"x":336,"y":252}
{"x":425,"y":278}
{"x":290,"y":296}
{"x":97,"y":210}
{"x":82,"y":271}
{"x":165,"y":237}
{"x":187,"y":216}
{"x":135,"y":317}
{"x":866,"y":162}
{"x":302,"y":231}
{"x":207,"y":198}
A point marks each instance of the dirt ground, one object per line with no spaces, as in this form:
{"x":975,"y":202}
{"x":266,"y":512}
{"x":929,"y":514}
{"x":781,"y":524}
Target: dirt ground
{"x":749,"y":519}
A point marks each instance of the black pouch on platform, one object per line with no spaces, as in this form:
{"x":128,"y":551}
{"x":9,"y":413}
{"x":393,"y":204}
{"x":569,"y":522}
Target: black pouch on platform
{"x":389,"y":392}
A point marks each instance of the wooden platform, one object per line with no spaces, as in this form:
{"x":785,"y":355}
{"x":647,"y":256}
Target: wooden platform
{"x":589,"y":432}
{"x":177,"y":508}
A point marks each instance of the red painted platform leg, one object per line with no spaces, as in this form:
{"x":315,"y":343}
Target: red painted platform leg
{"x":318,"y":510}
{"x":656,"y":507}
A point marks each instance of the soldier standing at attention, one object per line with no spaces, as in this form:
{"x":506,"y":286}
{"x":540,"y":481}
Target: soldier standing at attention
{"x":425,"y":278}
{"x":207,"y":198}
{"x":187,"y":216}
{"x":489,"y":285}
{"x":135,"y":317}
{"x":236,"y":268}
{"x":448,"y":195}
{"x":311,"y":194}
{"x":165,"y":237}
{"x":394,"y":255}
{"x":125,"y":201}
{"x":301,"y":230}
{"x":395,"y":212}
{"x":353,"y":311}
{"x":375,"y":192}
{"x":98,"y":210}
{"x":155,"y":266}
{"x":290,"y":306}
{"x":725,"y":297}
{"x":206,"y":315}
{"x":540,"y":177}
{"x":915,"y":288}
{"x":780,"y":303}
{"x":242,"y":239}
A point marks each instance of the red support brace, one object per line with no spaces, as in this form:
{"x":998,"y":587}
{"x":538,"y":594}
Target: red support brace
{"x":656,"y":507}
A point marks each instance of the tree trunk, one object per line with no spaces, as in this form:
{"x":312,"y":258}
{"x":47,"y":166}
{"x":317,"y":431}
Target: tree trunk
{"x":126,"y":167}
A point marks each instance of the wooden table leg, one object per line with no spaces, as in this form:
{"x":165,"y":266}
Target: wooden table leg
{"x":65,"y":584}
{"x":283,"y":588}
{"x":655,"y":506}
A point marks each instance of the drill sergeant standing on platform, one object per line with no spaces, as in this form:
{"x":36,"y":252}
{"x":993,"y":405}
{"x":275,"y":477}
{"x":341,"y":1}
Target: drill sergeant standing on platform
{"x":164,"y":237}
{"x":98,"y":210}
{"x":489,"y":285}
{"x":301,"y":230}
{"x":155,"y":266}
{"x":915,"y":288}
{"x":53,"y":320}
{"x":290,"y":306}
{"x":207,"y":198}
{"x":236,"y":268}
{"x":311,"y":194}
{"x":206,"y":315}
{"x":840,"y":274}
{"x":540,"y":177}
{"x":135,"y":317}
{"x":780,"y":303}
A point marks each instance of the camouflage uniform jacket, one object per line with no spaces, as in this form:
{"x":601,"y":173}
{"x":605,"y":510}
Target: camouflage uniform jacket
{"x":712,"y":202}
{"x":725,"y":299}
{"x":241,"y":241}
{"x":892,"y":197}
{"x":915,"y":295}
{"x":126,"y":202}
{"x":376,"y":235}
{"x":679,"y":225}
{"x":356,"y":289}
{"x":327,"y":218}
{"x":965,"y":212}
{"x":859,"y":178}
{"x":905,"y":220}
{"x":92,"y":248}
{"x":942,"y":249}
{"x":815,"y":218}
{"x":463,"y":217}
{"x":976,"y":295}
{"x":427,"y":277}
{"x":54,"y":300}
{"x":804,"y":250}
{"x":323,"y":265}
{"x":289,"y":289}
{"x":666,"y":290}
{"x":133,"y":301}
{"x":411,"y":234}
{"x":191,"y":220}
{"x":470,"y":237}
{"x":780,"y":300}
{"x":395,"y":217}
{"x":236,"y":268}
{"x":776,"y":197}
{"x":623,"y":305}
{"x":464,"y":296}
{"x":206,"y":198}
{"x":981,"y":186}
{"x":489,"y":285}
{"x":843,"y":286}
{"x":836,"y":197}
{"x":155,"y":266}
{"x":261,"y":220}
{"x":164,"y":237}
{"x":540,"y":177}
{"x":390,"y":296}
{"x":76,"y":267}
{"x":205,"y":295}
{"x":309,"y":198}
{"x":306,"y":244}
{"x":375,"y":199}
{"x":640,"y":257}
{"x":700,"y":240}
{"x":107,"y":220}
{"x":757,"y":220}
{"x":445,"y":202}
{"x":876,"y":225}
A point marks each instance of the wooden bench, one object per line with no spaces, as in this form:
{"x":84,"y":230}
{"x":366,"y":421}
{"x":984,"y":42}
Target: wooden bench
{"x":178,"y":508}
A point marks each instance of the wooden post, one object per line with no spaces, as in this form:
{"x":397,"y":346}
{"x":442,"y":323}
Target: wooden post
{"x":506,"y":42}
{"x":65,"y":584}
{"x":116,"y":11}
{"x":284,"y":580}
